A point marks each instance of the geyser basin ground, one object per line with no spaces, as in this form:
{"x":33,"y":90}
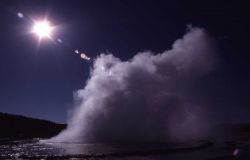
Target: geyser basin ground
{"x":31,"y":149}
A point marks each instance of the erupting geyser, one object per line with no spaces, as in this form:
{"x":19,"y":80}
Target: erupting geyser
{"x":145,"y":99}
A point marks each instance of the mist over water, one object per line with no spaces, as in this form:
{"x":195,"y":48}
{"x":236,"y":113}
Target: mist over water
{"x":148,"y":98}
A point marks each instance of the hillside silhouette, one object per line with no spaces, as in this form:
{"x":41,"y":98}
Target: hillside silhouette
{"x":20,"y":127}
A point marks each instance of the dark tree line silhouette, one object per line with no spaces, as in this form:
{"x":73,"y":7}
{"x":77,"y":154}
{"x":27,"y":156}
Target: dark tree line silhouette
{"x":20,"y":127}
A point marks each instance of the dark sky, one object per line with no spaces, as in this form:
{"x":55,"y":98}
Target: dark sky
{"x":39,"y":81}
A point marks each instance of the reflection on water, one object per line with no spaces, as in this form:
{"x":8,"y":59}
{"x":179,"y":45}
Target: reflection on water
{"x":33,"y":148}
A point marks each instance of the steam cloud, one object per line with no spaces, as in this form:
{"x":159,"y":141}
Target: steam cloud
{"x":147,"y":98}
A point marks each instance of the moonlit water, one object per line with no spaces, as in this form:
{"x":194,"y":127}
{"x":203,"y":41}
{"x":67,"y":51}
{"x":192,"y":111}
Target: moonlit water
{"x":148,"y":98}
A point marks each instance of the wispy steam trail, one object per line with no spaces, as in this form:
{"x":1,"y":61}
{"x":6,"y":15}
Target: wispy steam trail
{"x":147,"y":98}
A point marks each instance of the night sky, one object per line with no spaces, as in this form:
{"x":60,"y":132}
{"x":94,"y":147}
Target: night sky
{"x":39,"y":80}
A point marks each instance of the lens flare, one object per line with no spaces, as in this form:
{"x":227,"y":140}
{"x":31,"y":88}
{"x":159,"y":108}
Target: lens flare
{"x":76,"y":51}
{"x":84,"y":56}
{"x":20,"y":15}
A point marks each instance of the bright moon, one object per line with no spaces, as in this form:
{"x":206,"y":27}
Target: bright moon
{"x":42,"y":29}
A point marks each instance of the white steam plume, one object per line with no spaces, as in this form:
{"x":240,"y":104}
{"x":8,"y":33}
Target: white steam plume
{"x":145,"y":99}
